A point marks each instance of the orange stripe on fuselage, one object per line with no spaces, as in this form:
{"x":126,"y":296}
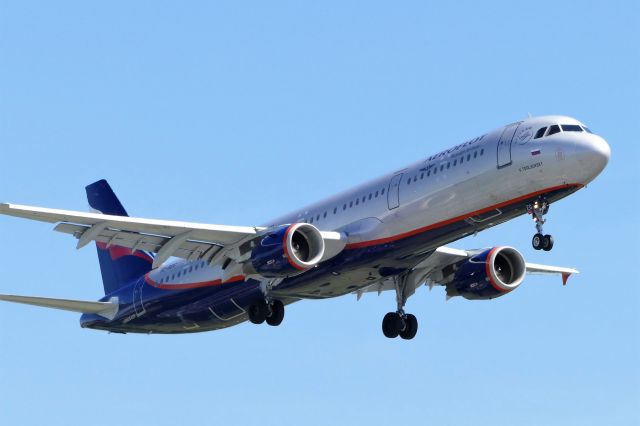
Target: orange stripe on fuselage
{"x":237,"y":278}
{"x":456,"y":219}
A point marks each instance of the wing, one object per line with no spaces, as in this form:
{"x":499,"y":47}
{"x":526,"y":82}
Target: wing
{"x":439,"y":266}
{"x":166,"y":238}
{"x":188,"y":240}
{"x":537,"y":269}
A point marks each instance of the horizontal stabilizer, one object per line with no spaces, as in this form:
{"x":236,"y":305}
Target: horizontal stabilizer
{"x":104,"y":309}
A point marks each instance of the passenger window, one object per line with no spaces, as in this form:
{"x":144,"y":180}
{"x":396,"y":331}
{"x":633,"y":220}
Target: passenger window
{"x":468,"y":157}
{"x":357,"y":201}
{"x":311,"y":220}
{"x":435,"y":170}
{"x":571,"y":128}
{"x":415,"y":178}
{"x":455,"y":162}
{"x":344,"y":207}
{"x":421,"y":175}
{"x":462,"y":159}
{"x":448,"y":164}
{"x":364,"y":198}
{"x":376,"y":194}
{"x":429,"y":172}
{"x":482,"y":151}
{"x":553,"y":130}
{"x":540,"y":132}
{"x":370,"y":194}
{"x":317,"y":218}
{"x":409,"y":181}
{"x":382,"y":192}
{"x":335,"y":210}
{"x":350,"y":204}
{"x":442,"y":167}
{"x":475,"y":154}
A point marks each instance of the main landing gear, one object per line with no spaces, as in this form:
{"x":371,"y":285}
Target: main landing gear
{"x":537,"y":210}
{"x":399,"y":323}
{"x":272,"y":312}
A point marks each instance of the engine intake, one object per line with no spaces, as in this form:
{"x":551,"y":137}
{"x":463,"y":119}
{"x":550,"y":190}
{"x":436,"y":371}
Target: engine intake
{"x":286,"y":250}
{"x":490,"y":274}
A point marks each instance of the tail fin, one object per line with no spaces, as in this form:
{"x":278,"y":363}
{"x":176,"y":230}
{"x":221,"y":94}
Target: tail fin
{"x":118,"y":265}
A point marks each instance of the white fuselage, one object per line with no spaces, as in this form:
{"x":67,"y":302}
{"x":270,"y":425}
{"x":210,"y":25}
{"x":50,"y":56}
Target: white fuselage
{"x":470,"y":182}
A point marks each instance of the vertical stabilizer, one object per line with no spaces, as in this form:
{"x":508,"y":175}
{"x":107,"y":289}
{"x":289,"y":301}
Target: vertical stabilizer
{"x":118,"y":265}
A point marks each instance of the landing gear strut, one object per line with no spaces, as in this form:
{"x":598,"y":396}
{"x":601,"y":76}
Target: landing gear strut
{"x":537,"y":210}
{"x":272,"y":312}
{"x":399,"y":323}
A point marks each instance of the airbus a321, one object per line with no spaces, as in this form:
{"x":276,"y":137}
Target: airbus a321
{"x":388,"y":234}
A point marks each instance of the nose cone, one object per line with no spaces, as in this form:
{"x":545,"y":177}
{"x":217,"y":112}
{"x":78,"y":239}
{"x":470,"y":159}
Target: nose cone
{"x":593,"y":153}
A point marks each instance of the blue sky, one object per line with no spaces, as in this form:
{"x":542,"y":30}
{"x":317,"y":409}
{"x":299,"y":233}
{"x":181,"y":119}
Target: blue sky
{"x":234,"y":113}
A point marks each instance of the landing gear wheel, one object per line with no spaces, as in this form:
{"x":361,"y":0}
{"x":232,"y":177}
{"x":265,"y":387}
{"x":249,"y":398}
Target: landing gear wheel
{"x":258,"y":312}
{"x":538,"y":241}
{"x":410,"y":327}
{"x":538,"y":209}
{"x":391,"y":325}
{"x":277,"y":313}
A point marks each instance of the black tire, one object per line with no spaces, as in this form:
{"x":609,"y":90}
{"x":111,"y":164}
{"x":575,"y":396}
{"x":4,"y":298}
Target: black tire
{"x":391,"y":325}
{"x":410,"y":327}
{"x":277,"y":313}
{"x":537,"y":241}
{"x":547,"y":243}
{"x":258,"y":312}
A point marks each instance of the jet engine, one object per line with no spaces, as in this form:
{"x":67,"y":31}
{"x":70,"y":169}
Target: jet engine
{"x":286,"y":250}
{"x":489,"y":274}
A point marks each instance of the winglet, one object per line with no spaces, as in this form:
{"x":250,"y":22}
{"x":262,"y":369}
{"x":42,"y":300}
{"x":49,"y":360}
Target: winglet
{"x":565,"y":278}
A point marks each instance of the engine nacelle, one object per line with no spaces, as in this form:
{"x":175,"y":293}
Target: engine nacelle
{"x":490,"y":274}
{"x":285,"y":251}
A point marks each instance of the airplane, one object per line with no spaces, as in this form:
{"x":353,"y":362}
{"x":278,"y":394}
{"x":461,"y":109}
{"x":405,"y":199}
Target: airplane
{"x":389,"y":234}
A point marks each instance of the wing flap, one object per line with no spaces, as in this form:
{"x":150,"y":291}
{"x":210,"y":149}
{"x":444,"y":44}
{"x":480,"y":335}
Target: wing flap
{"x":191,"y":250}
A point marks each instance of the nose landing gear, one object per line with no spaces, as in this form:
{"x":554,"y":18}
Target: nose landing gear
{"x":537,"y":210}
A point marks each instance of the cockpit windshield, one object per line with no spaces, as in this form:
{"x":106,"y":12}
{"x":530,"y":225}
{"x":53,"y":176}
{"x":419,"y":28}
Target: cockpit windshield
{"x":571,"y":128}
{"x":557,"y":128}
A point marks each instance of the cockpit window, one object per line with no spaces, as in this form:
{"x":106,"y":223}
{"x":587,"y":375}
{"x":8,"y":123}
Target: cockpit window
{"x":586,"y":129}
{"x":571,"y":128}
{"x":540,"y":133}
{"x":553,"y":130}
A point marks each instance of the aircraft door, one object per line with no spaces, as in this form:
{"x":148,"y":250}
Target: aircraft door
{"x":137,"y":297}
{"x":504,"y":145}
{"x":393,"y":193}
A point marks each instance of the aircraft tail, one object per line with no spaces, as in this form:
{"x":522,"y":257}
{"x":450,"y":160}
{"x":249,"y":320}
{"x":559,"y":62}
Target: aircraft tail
{"x":118,"y":265}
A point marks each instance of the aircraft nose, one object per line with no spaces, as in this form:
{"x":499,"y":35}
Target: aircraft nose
{"x":593,"y":152}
